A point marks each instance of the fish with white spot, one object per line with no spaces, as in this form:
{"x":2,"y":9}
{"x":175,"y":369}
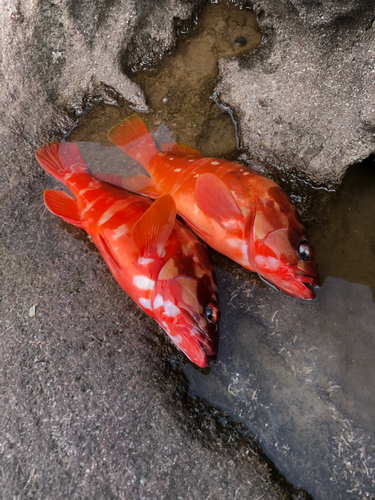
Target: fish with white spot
{"x":235,"y":210}
{"x":152,"y":256}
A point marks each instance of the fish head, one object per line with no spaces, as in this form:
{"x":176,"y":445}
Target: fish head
{"x":278,"y":248}
{"x":185,"y":303}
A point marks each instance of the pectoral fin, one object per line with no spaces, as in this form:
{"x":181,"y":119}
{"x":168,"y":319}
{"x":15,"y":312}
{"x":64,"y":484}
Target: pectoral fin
{"x":151,"y":232}
{"x":63,"y":205}
{"x":215,"y":199}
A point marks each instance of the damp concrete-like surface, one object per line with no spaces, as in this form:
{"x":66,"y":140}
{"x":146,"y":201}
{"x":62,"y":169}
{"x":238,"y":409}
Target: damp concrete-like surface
{"x":95,"y":400}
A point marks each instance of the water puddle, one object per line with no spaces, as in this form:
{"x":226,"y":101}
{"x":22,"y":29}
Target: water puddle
{"x":298,"y":375}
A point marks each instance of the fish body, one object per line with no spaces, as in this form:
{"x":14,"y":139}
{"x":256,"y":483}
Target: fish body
{"x":234,"y":209}
{"x":159,"y":262}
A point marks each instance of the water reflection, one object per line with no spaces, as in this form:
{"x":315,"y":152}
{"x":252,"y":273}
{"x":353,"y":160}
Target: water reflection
{"x":345,"y":237}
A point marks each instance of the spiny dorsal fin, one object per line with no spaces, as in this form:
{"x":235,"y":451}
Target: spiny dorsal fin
{"x":151,"y":232}
{"x":215,"y":199}
{"x":63,"y":205}
{"x":180,"y":149}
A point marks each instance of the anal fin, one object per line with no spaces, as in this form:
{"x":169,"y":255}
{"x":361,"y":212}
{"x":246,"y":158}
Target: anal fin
{"x":63,"y":205}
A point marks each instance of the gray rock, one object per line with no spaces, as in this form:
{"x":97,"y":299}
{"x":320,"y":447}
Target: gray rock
{"x":305,"y":101}
{"x":88,"y":396}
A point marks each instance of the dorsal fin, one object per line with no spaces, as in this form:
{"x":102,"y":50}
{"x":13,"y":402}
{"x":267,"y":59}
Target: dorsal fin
{"x":152,"y":230}
{"x":63,"y":205}
{"x":180,"y":149}
{"x":215,"y":199}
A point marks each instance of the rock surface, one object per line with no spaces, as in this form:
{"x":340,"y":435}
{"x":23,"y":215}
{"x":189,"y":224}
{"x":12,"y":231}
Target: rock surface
{"x":87,"y":382}
{"x":305,"y":101}
{"x":93,"y":401}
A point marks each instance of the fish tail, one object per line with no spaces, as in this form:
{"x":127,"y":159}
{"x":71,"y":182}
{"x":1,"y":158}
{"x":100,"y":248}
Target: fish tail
{"x":61,"y":159}
{"x":133,"y":137}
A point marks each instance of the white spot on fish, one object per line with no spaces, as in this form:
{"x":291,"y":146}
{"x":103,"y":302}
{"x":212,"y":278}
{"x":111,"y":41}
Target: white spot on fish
{"x":146,"y":303}
{"x":232,"y":242}
{"x":269,"y":263}
{"x":195,"y":176}
{"x":177,"y":339}
{"x":215,"y":163}
{"x":108,"y":214}
{"x":158,"y":301}
{"x":143,"y":283}
{"x":246,"y":173}
{"x":177,"y":170}
{"x":90,"y":205}
{"x":166,"y":327}
{"x":244,"y":251}
{"x":171,"y":309}
{"x":120,"y":231}
{"x":191,"y":160}
{"x":143,"y":261}
{"x":68,"y":176}
{"x":92,"y":185}
{"x":171,"y":158}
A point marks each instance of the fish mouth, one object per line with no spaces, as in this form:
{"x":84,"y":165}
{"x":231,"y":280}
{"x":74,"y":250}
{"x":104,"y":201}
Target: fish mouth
{"x":300,"y":286}
{"x":311,"y":279}
{"x":193,"y":341}
{"x":201,"y":337}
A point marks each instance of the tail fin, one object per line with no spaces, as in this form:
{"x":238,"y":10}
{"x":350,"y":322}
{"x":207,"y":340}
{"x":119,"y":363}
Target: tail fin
{"x":133,"y":137}
{"x":61,"y":159}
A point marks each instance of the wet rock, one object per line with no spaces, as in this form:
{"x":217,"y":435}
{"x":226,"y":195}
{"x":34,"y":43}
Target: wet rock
{"x":85,"y":408}
{"x":305,"y":101}
{"x":68,"y":54}
{"x":240,"y":40}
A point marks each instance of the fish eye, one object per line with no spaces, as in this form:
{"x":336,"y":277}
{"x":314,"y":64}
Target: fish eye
{"x":305,"y":250}
{"x":211,"y":312}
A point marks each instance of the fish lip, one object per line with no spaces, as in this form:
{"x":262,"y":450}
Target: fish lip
{"x":307,"y":278}
{"x":204,"y":341}
{"x":309,"y":281}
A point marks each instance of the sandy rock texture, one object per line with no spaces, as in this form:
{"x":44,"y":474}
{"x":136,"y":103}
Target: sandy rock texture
{"x":90,"y":403}
{"x":306,"y":101}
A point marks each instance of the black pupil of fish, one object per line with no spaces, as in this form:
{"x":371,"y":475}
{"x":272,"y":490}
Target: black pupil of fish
{"x":304,"y":251}
{"x":210,"y":313}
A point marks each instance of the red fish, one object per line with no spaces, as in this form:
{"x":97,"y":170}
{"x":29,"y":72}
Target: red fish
{"x":234,"y":209}
{"x":159,"y":262}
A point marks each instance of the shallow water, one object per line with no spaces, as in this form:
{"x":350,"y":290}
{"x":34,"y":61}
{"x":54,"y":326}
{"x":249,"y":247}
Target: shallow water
{"x":299,"y":375}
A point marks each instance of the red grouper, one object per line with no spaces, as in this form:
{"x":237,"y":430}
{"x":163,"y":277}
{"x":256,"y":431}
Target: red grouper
{"x":158,"y":261}
{"x":234,"y":209}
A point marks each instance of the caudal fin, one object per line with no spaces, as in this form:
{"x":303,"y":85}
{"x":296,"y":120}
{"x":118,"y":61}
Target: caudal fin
{"x":133,"y":137}
{"x":61,"y":159}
